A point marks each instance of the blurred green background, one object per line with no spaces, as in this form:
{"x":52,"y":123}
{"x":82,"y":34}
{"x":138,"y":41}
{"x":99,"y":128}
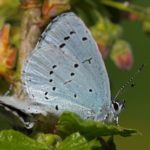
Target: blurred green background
{"x":137,"y":112}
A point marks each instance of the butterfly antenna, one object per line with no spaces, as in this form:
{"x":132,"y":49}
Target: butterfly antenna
{"x":129,"y":81}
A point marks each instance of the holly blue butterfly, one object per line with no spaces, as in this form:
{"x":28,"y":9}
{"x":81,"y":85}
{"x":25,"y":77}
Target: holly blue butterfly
{"x":66,"y":72}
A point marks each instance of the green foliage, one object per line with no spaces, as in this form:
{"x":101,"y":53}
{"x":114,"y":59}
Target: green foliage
{"x":73,"y":133}
{"x":50,"y":140}
{"x":77,"y":142}
{"x":70,"y":123}
{"x":13,"y":140}
{"x":6,"y":6}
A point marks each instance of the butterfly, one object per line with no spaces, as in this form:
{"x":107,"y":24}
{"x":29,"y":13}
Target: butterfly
{"x":66,"y":72}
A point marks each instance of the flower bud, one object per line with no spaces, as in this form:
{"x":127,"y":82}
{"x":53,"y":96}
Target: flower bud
{"x":122,"y":55}
{"x":105,"y":34}
{"x":133,"y":17}
{"x":7,"y":53}
{"x":52,"y":8}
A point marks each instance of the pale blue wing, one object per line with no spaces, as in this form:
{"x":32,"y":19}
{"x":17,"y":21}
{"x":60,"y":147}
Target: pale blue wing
{"x":69,"y":32}
{"x":66,"y":70}
{"x":26,"y":106}
{"x":20,"y":113}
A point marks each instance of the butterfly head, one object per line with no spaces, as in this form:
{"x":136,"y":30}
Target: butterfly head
{"x":117,"y":107}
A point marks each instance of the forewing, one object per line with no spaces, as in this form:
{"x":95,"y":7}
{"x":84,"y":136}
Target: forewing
{"x":66,"y":69}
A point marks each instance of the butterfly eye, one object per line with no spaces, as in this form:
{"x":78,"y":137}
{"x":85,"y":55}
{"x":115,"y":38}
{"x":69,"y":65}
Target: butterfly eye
{"x":116,"y":106}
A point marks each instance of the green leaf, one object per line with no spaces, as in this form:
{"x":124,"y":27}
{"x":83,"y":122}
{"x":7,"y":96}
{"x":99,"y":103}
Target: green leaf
{"x":6,"y":6}
{"x":77,"y":142}
{"x":48,"y":139}
{"x":13,"y":140}
{"x":69,"y":123}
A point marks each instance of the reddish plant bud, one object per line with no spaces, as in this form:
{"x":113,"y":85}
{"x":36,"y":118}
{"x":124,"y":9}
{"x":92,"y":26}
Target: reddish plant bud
{"x":7,"y":53}
{"x":122,"y":55}
{"x":29,"y":3}
{"x":105,"y":33}
{"x":133,"y":17}
{"x":52,"y":8}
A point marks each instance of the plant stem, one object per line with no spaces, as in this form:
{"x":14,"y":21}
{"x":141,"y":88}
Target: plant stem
{"x":30,"y":31}
{"x":124,"y":6}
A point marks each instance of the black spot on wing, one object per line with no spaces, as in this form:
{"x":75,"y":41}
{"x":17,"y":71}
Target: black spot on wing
{"x":72,"y":73}
{"x":51,"y":72}
{"x":90,"y":90}
{"x":45,"y":93}
{"x":76,"y":65}
{"x":54,"y":66}
{"x":62,"y":45}
{"x":66,"y":38}
{"x":50,"y":80}
{"x":72,"y":32}
{"x":84,"y":38}
{"x":56,"y":107}
{"x":46,"y":98}
{"x":75,"y":95}
{"x":53,"y":88}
